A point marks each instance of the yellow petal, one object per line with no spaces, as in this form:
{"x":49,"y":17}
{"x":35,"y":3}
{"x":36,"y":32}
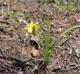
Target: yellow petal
{"x":30,"y":26}
{"x":30,"y":30}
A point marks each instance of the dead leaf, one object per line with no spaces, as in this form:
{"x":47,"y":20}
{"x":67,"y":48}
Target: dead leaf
{"x":34,"y":52}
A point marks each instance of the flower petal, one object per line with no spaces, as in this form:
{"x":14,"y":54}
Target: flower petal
{"x":30,"y":30}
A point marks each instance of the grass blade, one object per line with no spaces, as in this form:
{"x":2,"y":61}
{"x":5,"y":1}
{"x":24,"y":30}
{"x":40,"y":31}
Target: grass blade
{"x":46,"y":48}
{"x":61,"y":36}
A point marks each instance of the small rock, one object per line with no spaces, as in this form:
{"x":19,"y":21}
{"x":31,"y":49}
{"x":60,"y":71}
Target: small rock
{"x":59,"y":30}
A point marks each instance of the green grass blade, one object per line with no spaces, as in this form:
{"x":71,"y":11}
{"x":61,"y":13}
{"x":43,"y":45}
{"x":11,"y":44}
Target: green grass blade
{"x":61,"y":36}
{"x":13,"y":14}
{"x":46,"y":48}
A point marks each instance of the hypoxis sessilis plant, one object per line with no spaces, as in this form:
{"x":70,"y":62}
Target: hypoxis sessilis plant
{"x":32,"y":29}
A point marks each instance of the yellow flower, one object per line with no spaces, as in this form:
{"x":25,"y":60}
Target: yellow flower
{"x":30,"y":27}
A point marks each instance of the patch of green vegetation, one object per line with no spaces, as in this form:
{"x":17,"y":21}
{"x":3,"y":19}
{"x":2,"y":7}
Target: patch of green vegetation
{"x":66,"y":6}
{"x":46,"y":47}
{"x":55,"y":43}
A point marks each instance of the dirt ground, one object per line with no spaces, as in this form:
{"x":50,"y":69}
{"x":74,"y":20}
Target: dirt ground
{"x":15,"y":48}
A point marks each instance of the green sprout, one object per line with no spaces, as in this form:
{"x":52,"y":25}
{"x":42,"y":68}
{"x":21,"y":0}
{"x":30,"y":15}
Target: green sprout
{"x":46,"y":47}
{"x":55,"y":43}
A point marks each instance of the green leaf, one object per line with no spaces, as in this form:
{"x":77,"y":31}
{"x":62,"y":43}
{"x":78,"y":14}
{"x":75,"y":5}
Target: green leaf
{"x":46,"y":47}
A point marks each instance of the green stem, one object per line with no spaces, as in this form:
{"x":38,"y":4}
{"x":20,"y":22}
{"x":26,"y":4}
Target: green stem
{"x":46,"y":48}
{"x":10,"y":13}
